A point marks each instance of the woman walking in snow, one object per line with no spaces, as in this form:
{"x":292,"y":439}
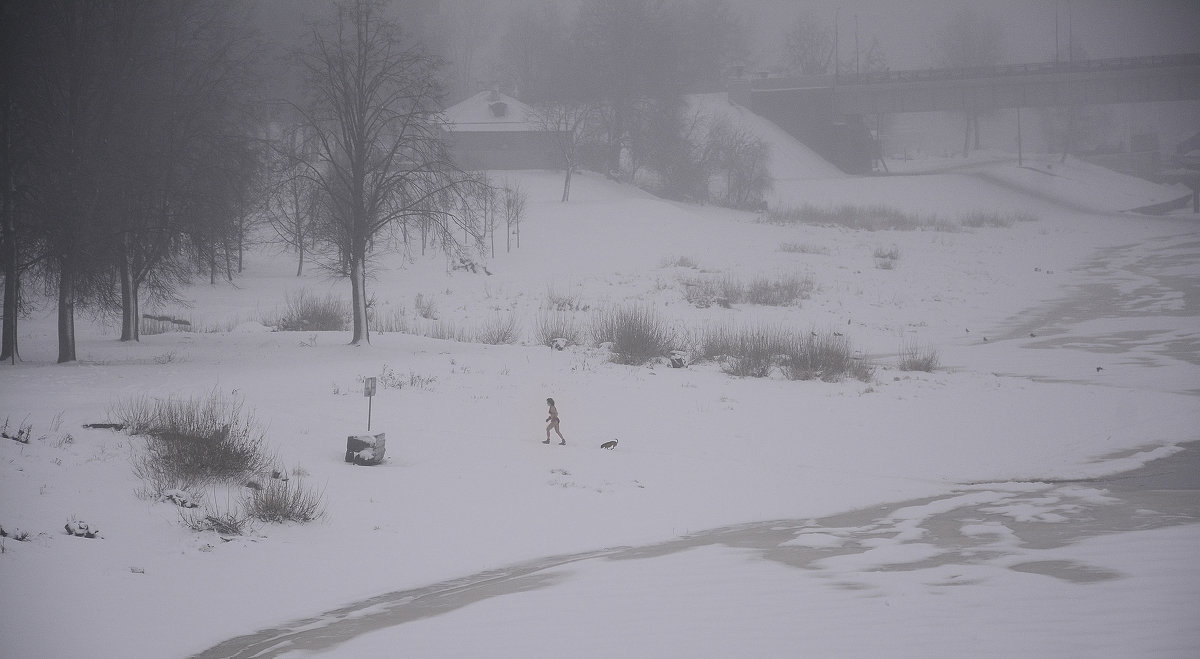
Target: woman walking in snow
{"x":553,"y":419}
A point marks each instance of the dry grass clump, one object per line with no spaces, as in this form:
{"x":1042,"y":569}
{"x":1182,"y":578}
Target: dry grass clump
{"x":708,"y":292}
{"x":426,"y":306}
{"x":802,"y":248}
{"x":757,"y":351}
{"x":285,"y":501}
{"x":557,"y":327}
{"x":874,"y":217}
{"x":779,"y":292}
{"x":499,"y":330}
{"x":636,"y":332}
{"x":744,"y":351}
{"x":502,"y":329}
{"x":827,"y":357}
{"x":193,"y":442}
{"x":680,"y":262}
{"x":885,"y":258}
{"x":304,"y":311}
{"x":727,"y":290}
{"x":915,"y":356}
{"x":995,"y":219}
{"x":557,"y":301}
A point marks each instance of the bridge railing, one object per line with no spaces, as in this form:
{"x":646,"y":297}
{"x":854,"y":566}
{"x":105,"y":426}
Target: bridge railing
{"x":1111,"y":64}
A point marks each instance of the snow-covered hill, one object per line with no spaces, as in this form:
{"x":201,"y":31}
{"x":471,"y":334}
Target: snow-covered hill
{"x":469,"y":486}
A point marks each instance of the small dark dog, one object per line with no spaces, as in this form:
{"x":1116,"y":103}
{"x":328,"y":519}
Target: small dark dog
{"x":609,"y":445}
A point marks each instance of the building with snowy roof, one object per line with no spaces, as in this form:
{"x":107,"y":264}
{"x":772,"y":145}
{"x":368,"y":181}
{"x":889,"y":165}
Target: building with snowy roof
{"x":493,"y":131}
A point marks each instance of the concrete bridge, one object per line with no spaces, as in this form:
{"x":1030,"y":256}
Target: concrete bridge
{"x":827,"y":112}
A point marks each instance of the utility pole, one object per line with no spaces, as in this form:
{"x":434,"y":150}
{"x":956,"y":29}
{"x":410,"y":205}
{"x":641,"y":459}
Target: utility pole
{"x":856,"y":70}
{"x":836,"y":64}
{"x":1070,"y":36}
{"x":1020,"y":161}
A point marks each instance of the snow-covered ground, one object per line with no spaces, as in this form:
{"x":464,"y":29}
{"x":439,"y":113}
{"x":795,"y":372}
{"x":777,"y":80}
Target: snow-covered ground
{"x":1068,"y":347}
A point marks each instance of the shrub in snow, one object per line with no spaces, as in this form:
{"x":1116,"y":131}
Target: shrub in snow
{"x":680,"y":262}
{"x":873,"y":217}
{"x":917,"y":357}
{"x":180,"y":498}
{"x":755,"y":351}
{"x":983,"y":219}
{"x":231,"y":521}
{"x":192,"y":442}
{"x":306,"y":312}
{"x":739,"y":160}
{"x":637,"y":333}
{"x":557,"y":330}
{"x":426,"y":307}
{"x":500,"y":330}
{"x":779,"y":292}
{"x":285,"y":501}
{"x":563,"y":301}
{"x":826,"y":357}
{"x":744,"y":351}
{"x":885,"y":259}
{"x":802,"y":248}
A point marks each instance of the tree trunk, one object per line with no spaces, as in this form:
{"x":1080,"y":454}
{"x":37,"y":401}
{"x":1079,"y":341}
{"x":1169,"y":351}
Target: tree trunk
{"x":567,"y":184}
{"x":966,"y":134}
{"x":241,"y":241}
{"x":358,"y":301}
{"x":300,"y":265}
{"x":66,"y":312}
{"x":12,"y":288}
{"x":8,"y":242}
{"x":130,"y":323}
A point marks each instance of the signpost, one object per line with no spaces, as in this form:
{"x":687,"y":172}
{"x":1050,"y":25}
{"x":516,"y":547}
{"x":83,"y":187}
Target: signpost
{"x":369,"y":392}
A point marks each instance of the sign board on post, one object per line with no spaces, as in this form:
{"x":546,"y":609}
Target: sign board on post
{"x":369,"y":392}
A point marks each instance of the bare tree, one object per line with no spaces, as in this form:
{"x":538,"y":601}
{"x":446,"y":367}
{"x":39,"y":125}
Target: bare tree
{"x":81,"y":61}
{"x":971,"y":38}
{"x":533,"y":49}
{"x":569,"y":124}
{"x":380,"y":159}
{"x":292,"y":198}
{"x":465,"y":26}
{"x":514,"y":212}
{"x":808,"y":45}
{"x":628,"y":57}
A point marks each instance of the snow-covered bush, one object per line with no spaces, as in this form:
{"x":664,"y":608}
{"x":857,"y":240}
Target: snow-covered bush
{"x":306,"y":312}
{"x":637,"y":333}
